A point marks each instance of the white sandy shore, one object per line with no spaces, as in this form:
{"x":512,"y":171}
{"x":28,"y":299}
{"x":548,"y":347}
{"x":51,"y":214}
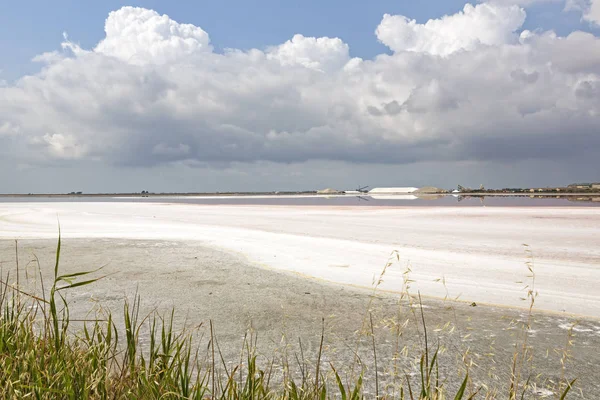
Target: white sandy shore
{"x":477,"y":251}
{"x":221,"y":197}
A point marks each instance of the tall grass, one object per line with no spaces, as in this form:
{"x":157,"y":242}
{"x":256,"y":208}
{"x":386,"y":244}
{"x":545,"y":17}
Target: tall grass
{"x":43,"y":356}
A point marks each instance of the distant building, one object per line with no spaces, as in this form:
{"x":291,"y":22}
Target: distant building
{"x":595,"y":185}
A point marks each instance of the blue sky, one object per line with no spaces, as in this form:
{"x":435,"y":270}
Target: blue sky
{"x":29,"y":28}
{"x":500,"y":92}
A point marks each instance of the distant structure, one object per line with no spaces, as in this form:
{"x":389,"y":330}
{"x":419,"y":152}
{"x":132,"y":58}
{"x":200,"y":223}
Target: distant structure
{"x":359,"y":190}
{"x":595,"y":185}
{"x":393,"y":190}
{"x":329,"y":191}
{"x":430,"y":190}
{"x":468,"y":189}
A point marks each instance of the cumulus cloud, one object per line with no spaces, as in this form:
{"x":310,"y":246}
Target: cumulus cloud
{"x":460,"y":88}
{"x":321,"y":54}
{"x":482,"y":24}
{"x":523,"y":3}
{"x":590,"y":9}
{"x":593,"y":13}
{"x":140,"y":36}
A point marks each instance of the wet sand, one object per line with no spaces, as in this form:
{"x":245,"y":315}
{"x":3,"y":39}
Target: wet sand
{"x":205,"y":285}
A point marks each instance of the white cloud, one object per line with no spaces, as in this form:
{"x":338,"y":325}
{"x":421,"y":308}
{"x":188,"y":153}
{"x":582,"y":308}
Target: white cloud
{"x":61,"y":146}
{"x":524,"y":3}
{"x":321,"y":54}
{"x":482,"y":24}
{"x":141,"y":36}
{"x":8,"y":128}
{"x":463,"y":87}
{"x":593,"y":14}
{"x":590,"y":9}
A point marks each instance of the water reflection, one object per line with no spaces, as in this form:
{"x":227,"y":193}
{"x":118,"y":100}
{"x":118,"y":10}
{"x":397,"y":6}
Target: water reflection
{"x":397,"y":197}
{"x":449,"y":200}
{"x":593,"y":199}
{"x":407,"y":200}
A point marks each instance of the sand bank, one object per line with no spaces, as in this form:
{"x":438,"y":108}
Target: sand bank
{"x":477,"y":252}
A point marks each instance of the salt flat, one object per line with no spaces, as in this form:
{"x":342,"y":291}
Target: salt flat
{"x":477,"y":252}
{"x":211,"y":287}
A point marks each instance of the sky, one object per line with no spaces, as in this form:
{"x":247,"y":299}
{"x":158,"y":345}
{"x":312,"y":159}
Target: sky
{"x":256,"y":96}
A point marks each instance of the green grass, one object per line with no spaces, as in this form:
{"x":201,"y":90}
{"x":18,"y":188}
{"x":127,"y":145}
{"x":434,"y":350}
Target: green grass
{"x":42,"y":356}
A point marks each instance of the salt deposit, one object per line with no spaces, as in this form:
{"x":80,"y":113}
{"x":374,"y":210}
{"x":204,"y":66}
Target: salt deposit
{"x":476,"y":254}
{"x":393,"y":190}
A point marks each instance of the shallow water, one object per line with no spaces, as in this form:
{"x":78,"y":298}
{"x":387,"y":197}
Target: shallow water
{"x":362,"y":201}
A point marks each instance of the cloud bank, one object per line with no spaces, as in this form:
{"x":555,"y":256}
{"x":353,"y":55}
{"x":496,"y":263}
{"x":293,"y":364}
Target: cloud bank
{"x":464,"y":87}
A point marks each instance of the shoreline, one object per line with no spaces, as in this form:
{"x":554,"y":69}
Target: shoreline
{"x":463,"y":302}
{"x":288,"y":194}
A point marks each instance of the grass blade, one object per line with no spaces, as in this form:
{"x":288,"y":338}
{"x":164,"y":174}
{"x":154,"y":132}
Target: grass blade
{"x":461,"y":391}
{"x":570,"y":385}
